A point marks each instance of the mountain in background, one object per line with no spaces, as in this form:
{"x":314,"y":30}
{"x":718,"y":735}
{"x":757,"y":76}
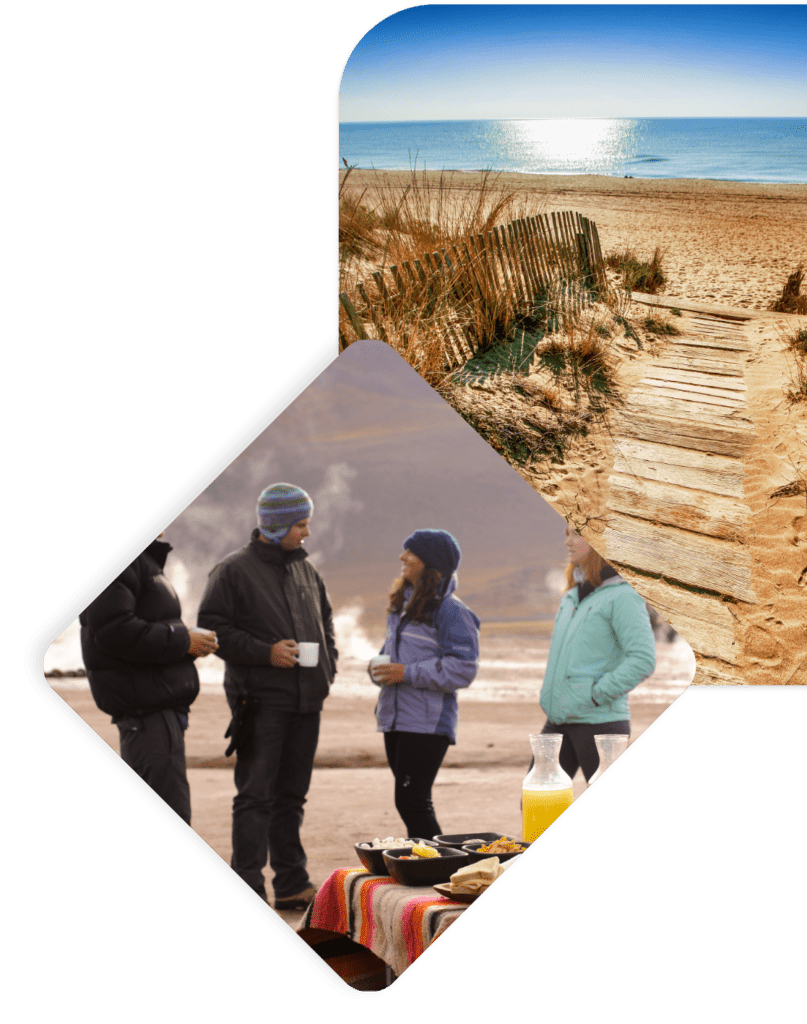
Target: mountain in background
{"x":382,"y":455}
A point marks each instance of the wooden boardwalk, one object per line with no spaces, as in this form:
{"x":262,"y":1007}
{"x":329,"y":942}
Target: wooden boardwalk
{"x":676,"y":517}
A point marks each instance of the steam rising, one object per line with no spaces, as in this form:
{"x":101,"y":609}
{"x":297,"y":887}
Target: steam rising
{"x":333,"y":508}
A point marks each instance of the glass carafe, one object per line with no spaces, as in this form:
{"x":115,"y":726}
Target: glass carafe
{"x":547,"y":790}
{"x":609,"y":747}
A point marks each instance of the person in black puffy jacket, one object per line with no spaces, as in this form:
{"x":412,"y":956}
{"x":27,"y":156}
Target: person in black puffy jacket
{"x":139,"y":658}
{"x":262,"y":601}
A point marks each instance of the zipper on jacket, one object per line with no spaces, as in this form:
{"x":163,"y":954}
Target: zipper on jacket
{"x":395,"y":694}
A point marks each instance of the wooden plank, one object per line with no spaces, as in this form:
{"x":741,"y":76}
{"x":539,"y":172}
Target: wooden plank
{"x":557,"y":240}
{"x":719,"y":323}
{"x":681,"y":360}
{"x":703,"y":621}
{"x":703,"y":562}
{"x":715,"y":438}
{"x":355,"y":322}
{"x":377,"y":323}
{"x":399,"y":281}
{"x":550,"y":247}
{"x":669,"y":464}
{"x":471,"y":267}
{"x":712,"y":675}
{"x":710,"y":380}
{"x":598,"y":248}
{"x":526,"y":256}
{"x":700,"y":341}
{"x":688,"y":305}
{"x":565,"y":229}
{"x":504,"y":253}
{"x":664,"y":406}
{"x":701,"y":511}
{"x":381,"y":284}
{"x":569,"y":246}
{"x":690,"y":393}
{"x":518,"y":262}
{"x":488,"y":262}
{"x":543,"y":266}
{"x":493,"y":259}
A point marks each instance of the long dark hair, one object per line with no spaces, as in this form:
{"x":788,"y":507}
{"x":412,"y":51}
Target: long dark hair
{"x":424,"y":600}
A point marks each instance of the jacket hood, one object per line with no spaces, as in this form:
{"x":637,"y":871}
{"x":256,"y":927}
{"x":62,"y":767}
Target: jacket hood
{"x":159,"y":551}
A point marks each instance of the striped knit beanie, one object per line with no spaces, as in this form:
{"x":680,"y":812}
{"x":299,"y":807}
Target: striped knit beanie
{"x":279,"y":508}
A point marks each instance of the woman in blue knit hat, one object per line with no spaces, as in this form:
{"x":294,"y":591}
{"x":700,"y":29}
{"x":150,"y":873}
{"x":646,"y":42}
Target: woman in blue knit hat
{"x":433,"y":643}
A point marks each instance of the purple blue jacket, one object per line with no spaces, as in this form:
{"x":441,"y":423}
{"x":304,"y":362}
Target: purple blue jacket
{"x":440,"y":658}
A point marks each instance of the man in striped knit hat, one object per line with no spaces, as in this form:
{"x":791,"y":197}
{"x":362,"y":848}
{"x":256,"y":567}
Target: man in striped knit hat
{"x":264,"y":600}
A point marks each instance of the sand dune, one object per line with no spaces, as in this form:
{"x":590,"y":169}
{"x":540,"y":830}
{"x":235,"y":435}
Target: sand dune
{"x":725,"y":241}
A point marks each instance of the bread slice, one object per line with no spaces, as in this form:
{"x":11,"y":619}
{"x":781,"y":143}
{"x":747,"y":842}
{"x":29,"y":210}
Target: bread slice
{"x":474,"y":878}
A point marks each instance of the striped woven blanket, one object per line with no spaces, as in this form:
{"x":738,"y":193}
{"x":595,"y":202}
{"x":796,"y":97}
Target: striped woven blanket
{"x":396,"y":922}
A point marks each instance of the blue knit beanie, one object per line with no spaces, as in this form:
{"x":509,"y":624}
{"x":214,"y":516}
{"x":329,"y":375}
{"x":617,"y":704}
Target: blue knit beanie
{"x":279,"y":508}
{"x":437,"y":549}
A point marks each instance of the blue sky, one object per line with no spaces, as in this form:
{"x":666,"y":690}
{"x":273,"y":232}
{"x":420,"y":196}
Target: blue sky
{"x":458,"y":61}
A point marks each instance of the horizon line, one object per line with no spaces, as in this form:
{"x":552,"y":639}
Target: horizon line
{"x":568,"y":117}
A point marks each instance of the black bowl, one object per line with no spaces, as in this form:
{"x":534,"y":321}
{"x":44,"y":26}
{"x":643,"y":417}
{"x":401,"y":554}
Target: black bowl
{"x":467,"y":842}
{"x":426,"y":870}
{"x":373,"y":860}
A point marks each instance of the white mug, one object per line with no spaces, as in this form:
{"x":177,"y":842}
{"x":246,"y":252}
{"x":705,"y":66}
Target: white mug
{"x":379,"y":659}
{"x":307,"y":655}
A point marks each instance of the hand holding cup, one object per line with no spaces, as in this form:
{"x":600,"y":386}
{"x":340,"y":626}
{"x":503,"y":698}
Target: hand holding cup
{"x":202,"y":642}
{"x":388,"y":674}
{"x":284,"y":654}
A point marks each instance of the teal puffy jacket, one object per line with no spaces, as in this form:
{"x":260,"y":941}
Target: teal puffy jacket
{"x":601,"y":649}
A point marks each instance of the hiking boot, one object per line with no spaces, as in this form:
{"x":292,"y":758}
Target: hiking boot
{"x":299,"y":902}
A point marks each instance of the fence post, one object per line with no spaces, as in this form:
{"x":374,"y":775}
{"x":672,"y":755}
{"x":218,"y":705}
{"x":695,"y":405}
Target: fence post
{"x":357,"y":325}
{"x":382,"y":334}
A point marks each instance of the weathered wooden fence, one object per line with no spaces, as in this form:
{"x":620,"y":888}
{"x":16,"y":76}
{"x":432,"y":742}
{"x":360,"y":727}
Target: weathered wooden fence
{"x":554,"y":260}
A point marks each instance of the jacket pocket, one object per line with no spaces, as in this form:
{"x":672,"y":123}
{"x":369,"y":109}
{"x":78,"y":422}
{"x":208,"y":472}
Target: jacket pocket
{"x":579,"y":695}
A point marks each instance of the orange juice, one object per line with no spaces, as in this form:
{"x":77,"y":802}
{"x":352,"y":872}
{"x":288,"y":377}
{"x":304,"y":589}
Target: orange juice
{"x":540,"y":807}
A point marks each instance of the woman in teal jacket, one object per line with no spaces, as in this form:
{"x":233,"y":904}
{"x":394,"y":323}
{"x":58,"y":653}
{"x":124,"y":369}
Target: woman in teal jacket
{"x":602,"y":647}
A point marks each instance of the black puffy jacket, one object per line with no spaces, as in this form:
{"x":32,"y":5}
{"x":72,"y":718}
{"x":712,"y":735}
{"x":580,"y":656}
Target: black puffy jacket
{"x":134,"y":644}
{"x":257,"y":596}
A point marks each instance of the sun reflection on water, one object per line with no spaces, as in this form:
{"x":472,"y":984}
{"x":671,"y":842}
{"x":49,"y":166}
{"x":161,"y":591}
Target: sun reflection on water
{"x":568,"y":145}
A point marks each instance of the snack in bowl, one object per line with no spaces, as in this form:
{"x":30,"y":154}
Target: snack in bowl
{"x":371,"y":855}
{"x":388,"y":844}
{"x":413,"y":870}
{"x":424,"y":851}
{"x":475,"y":878}
{"x":503,"y":845}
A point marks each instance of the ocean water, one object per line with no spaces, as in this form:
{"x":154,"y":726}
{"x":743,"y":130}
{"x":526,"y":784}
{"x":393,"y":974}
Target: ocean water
{"x":729,"y":149}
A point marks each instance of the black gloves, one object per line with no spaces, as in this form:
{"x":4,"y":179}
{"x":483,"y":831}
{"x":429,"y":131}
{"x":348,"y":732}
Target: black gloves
{"x":240,"y":728}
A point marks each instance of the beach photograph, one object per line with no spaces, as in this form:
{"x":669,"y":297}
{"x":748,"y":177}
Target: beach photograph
{"x":615,"y":303}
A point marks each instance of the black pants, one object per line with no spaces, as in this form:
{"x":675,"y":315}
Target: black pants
{"x":415,"y":759}
{"x":272,"y":783}
{"x":578,"y":749}
{"x":154,"y":746}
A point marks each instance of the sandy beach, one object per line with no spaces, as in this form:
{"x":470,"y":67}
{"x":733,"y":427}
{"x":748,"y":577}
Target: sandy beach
{"x":727,"y":242}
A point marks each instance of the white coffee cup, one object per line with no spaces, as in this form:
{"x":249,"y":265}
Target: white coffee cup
{"x":307,"y":655}
{"x":379,"y":659}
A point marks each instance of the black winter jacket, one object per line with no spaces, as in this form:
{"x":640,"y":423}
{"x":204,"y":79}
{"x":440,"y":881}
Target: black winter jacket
{"x":257,"y":596}
{"x":134,"y":644}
